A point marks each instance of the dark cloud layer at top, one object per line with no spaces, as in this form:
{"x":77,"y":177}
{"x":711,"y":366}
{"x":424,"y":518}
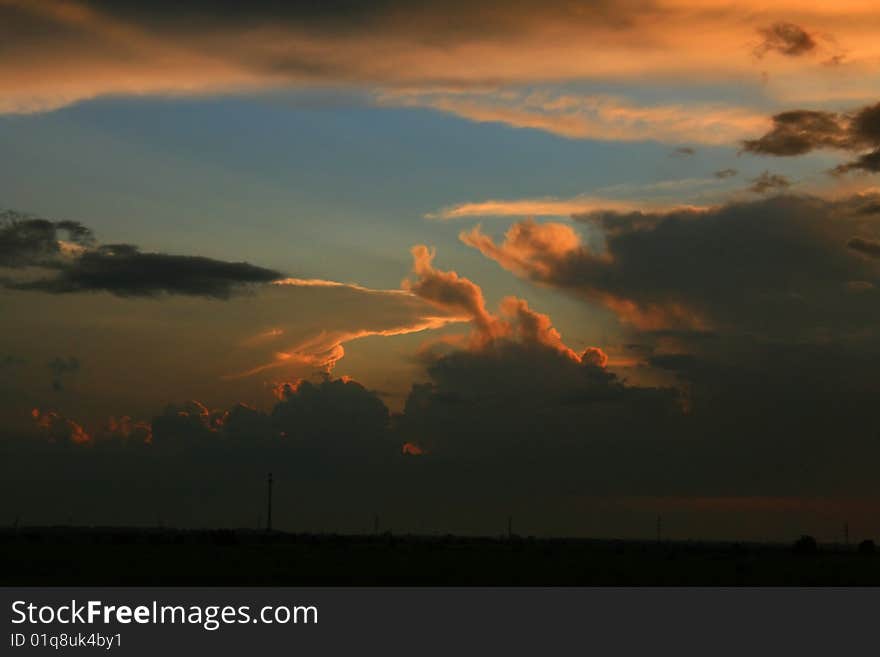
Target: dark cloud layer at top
{"x":798,"y":132}
{"x":451,"y":19}
{"x":65,"y":253}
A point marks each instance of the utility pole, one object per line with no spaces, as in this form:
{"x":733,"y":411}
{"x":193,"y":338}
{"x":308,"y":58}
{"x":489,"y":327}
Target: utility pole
{"x":376,"y":524}
{"x":846,"y":533}
{"x":509,"y":527}
{"x":269,"y":503}
{"x":659,"y":529}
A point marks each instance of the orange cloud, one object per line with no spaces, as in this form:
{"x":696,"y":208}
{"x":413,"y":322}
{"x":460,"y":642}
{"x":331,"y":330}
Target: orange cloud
{"x":602,"y":118}
{"x":84,"y":50}
{"x":544,"y":251}
{"x":549,"y":206}
{"x":516,"y":321}
{"x":529,"y":248}
{"x":411,"y":449}
{"x":452,"y":292}
{"x":321,"y":352}
{"x":60,"y":429}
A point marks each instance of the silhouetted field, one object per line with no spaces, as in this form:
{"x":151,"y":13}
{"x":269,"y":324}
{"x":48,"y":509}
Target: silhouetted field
{"x":98,"y":556}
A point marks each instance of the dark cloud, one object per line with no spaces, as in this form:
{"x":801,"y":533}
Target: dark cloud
{"x":866,"y":247}
{"x":769,"y":182}
{"x":71,"y":262}
{"x":335,"y":415}
{"x":27,"y":241}
{"x":725,"y":173}
{"x":338,"y":418}
{"x":786,"y":39}
{"x":772,"y":266}
{"x":868,"y":162}
{"x":683,"y":151}
{"x":869,"y":207}
{"x":798,"y":132}
{"x":450,"y":19}
{"x":511,"y":397}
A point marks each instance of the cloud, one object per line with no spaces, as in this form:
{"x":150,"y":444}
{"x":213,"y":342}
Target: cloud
{"x":431,"y":303}
{"x":598,"y":117}
{"x":515,"y":321}
{"x":68,"y":260}
{"x":59,"y":429}
{"x":867,"y":162}
{"x":775,"y":266}
{"x":769,"y":182}
{"x":868,"y":247}
{"x":452,"y":292}
{"x":126,"y":430}
{"x":725,"y":173}
{"x":512,"y":399}
{"x":57,"y":53}
{"x":785,"y":39}
{"x":545,"y":207}
{"x":27,"y":241}
{"x":798,"y":132}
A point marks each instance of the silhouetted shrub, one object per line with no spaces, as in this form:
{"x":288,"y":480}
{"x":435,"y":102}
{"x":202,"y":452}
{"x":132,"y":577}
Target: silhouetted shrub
{"x":224,"y":537}
{"x":867,"y":547}
{"x":805,"y":545}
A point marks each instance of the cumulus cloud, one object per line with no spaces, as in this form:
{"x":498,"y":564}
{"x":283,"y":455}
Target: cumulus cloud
{"x":450,"y":291}
{"x":60,"y":429}
{"x":515,"y":320}
{"x":127,"y":430}
{"x":510,"y":399}
{"x":68,"y":260}
{"x":768,"y":266}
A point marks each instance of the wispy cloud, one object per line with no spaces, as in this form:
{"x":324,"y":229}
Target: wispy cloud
{"x":549,"y":206}
{"x":599,"y":117}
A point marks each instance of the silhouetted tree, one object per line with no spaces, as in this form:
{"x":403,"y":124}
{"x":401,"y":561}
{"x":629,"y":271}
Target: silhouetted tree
{"x":805,"y":545}
{"x":867,"y":547}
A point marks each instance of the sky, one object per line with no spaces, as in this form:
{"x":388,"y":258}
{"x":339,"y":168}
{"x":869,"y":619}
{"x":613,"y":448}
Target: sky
{"x":582,"y":263}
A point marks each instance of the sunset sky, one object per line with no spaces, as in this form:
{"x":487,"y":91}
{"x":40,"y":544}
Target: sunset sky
{"x":582,"y":262}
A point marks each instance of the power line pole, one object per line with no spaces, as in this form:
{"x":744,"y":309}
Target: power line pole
{"x":269,"y":503}
{"x":376,"y":523}
{"x":659,"y":529}
{"x":509,"y":527}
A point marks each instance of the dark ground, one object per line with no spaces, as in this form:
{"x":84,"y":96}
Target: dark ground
{"x":130,"y":557}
